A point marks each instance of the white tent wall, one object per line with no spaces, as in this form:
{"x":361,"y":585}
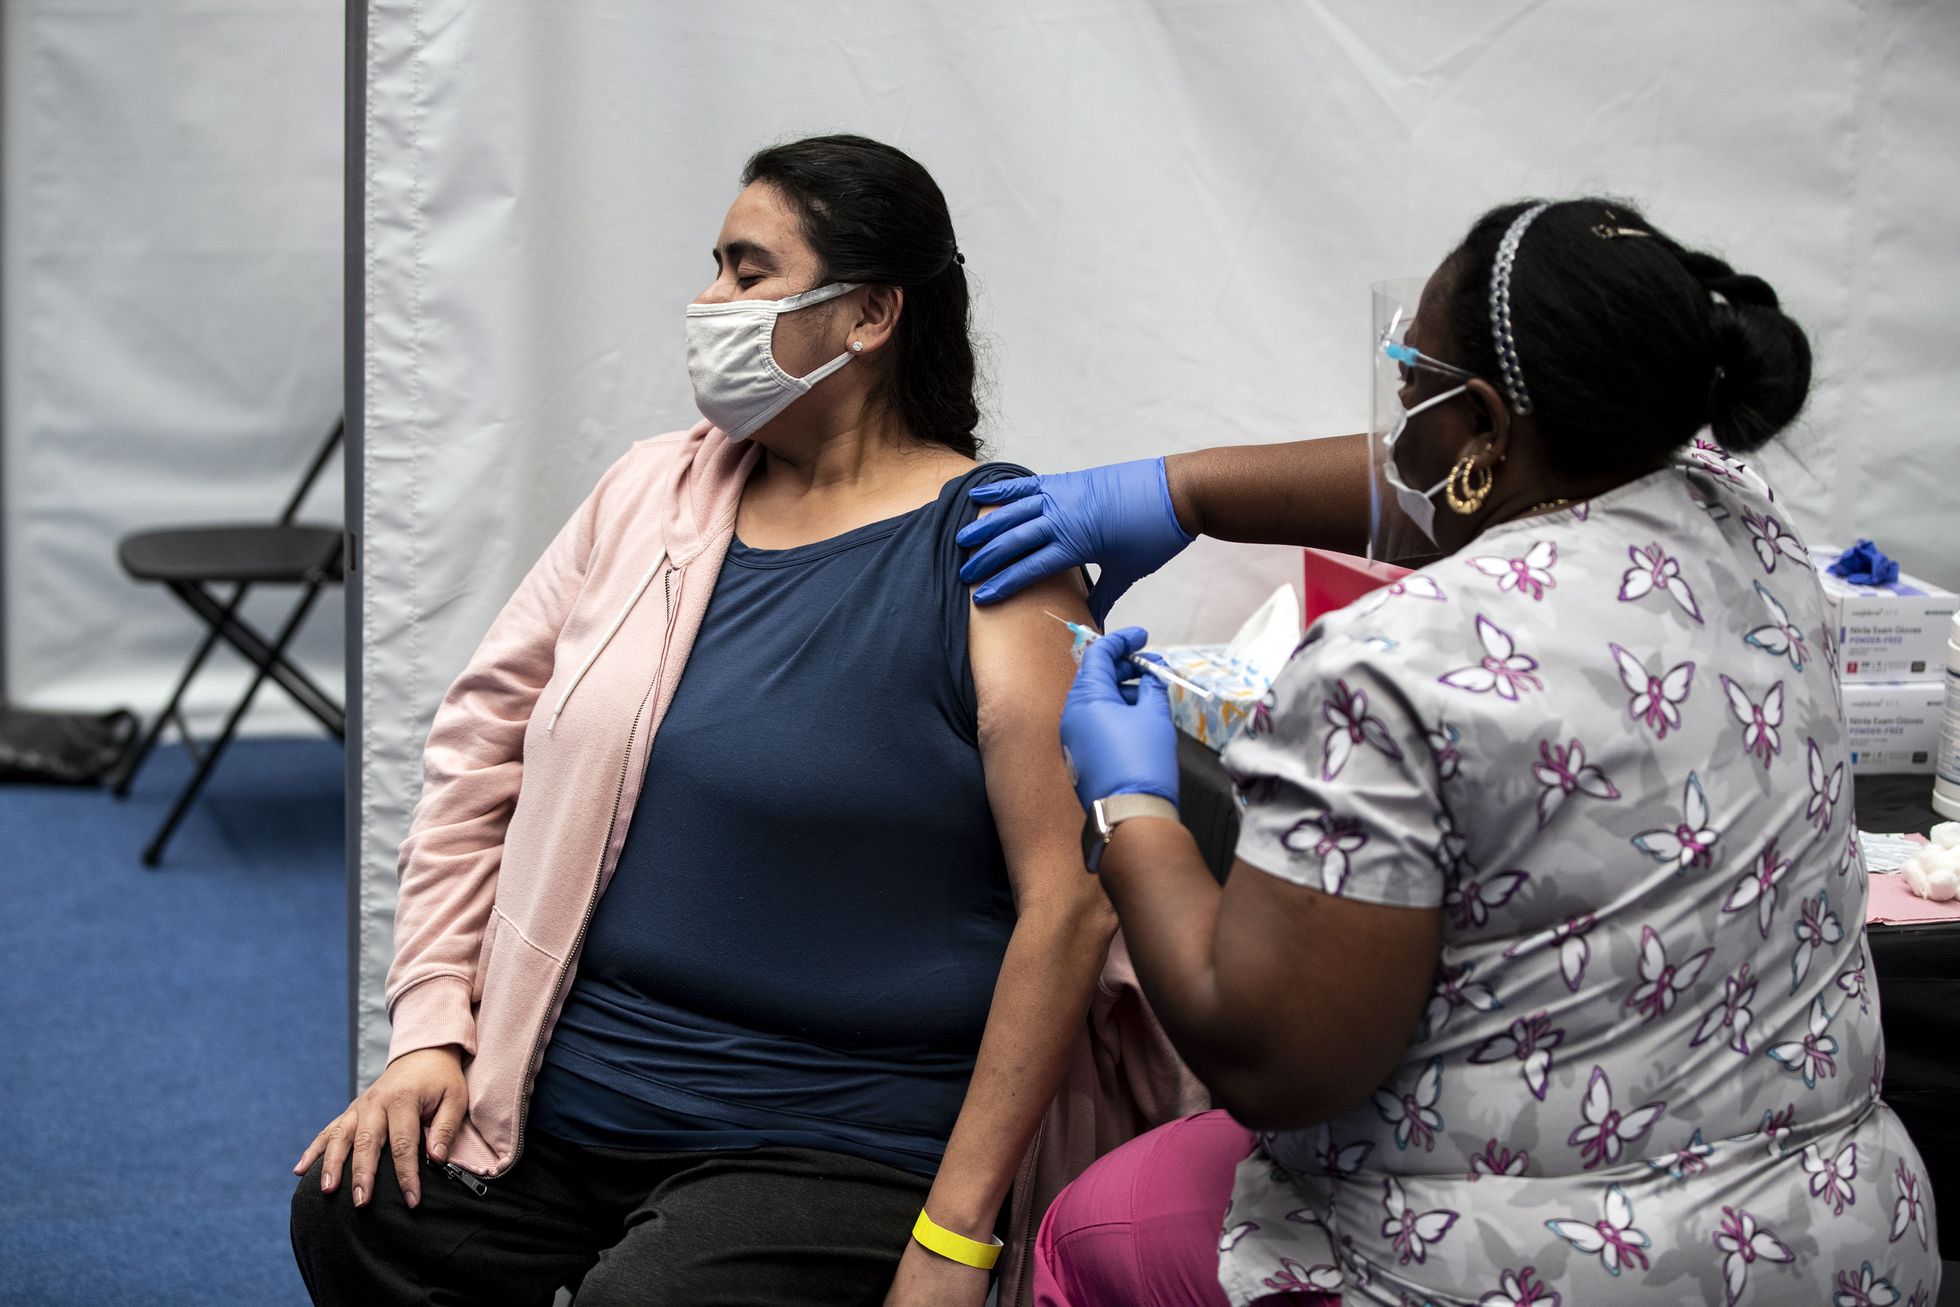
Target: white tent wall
{"x":1170,"y":214}
{"x":172,"y":259}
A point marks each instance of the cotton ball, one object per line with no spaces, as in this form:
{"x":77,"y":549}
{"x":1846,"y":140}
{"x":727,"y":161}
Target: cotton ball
{"x":1946,"y":835}
{"x":1933,"y":873}
{"x":1918,"y":879}
{"x":1914,"y":876}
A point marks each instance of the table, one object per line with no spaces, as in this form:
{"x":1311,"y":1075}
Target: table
{"x":1918,"y":968}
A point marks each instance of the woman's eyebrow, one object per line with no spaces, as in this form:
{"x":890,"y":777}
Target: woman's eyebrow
{"x":745,"y":252}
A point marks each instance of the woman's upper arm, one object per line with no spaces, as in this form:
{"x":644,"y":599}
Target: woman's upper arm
{"x":1021,"y":674}
{"x":1330,"y":927}
{"x":472,"y":760}
{"x":472,"y":767}
{"x":1337,"y":984}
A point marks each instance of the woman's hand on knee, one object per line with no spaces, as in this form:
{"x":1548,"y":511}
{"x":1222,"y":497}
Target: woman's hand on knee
{"x":425,"y":1086}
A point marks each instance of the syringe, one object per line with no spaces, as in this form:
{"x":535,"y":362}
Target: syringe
{"x":1158,"y":670}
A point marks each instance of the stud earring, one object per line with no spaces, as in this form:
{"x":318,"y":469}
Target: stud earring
{"x":857,"y":347}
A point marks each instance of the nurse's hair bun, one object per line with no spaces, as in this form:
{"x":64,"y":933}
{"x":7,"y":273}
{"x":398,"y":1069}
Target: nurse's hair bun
{"x":1761,"y":356}
{"x":1630,"y":343}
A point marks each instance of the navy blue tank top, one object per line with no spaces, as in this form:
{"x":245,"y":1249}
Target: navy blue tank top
{"x":801,"y":940}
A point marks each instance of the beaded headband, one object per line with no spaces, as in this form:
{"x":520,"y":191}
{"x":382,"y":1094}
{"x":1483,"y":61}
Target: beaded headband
{"x":1500,"y":309}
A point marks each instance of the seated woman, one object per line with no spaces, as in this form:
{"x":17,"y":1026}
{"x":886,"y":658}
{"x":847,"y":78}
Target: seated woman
{"x":708,"y":981}
{"x":1542,"y":969}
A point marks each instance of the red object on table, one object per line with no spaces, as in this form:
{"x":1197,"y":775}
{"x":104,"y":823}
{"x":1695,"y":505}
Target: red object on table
{"x":1334,"y":580}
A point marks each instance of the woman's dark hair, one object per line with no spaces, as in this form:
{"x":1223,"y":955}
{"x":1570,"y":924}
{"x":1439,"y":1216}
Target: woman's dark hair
{"x":873,"y":215}
{"x":1628,"y":344}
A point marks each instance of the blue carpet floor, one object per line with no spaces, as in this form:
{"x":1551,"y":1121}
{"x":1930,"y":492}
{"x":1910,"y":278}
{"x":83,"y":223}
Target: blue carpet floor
{"x":172,"y":1038}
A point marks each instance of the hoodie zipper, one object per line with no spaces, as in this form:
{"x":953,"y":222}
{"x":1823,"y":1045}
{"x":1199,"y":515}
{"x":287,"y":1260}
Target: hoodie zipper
{"x":466,"y":1179}
{"x":592,"y":902}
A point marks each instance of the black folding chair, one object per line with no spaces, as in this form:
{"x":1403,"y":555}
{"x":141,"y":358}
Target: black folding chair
{"x":191,"y":560}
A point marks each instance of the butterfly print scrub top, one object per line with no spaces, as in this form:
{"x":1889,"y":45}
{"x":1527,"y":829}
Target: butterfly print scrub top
{"x":1606,"y":744}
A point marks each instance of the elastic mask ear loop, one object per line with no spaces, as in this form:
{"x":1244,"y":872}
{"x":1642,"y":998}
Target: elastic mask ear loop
{"x":787,"y":304}
{"x":804,"y":299}
{"x":810,"y":379}
{"x":1434,"y":400}
{"x":1394,"y":469}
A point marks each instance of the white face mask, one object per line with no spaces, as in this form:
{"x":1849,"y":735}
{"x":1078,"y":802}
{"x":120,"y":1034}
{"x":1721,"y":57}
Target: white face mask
{"x":1420,"y":505}
{"x":737,"y":385}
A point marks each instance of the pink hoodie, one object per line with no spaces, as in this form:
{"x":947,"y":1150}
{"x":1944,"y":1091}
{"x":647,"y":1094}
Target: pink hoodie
{"x":548,"y":728}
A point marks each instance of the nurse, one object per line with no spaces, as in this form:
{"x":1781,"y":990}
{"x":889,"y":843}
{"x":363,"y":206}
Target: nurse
{"x":1541,"y":973}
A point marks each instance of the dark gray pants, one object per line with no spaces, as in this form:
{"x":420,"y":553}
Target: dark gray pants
{"x":768,"y":1226}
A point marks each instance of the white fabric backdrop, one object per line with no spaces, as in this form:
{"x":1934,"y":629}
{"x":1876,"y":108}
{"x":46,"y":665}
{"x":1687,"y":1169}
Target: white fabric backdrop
{"x":172,"y":264}
{"x":1170,"y":211}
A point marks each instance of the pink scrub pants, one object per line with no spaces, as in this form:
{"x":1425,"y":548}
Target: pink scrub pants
{"x":1141,"y":1226}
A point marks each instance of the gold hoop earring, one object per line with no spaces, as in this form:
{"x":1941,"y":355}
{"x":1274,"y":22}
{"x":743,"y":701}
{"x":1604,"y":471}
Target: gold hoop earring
{"x":1472,"y":496}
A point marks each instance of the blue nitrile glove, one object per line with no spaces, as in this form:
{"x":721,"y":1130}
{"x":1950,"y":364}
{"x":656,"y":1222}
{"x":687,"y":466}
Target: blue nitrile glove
{"x":1865,"y":564}
{"x":1119,"y":739}
{"x":1118,"y":517}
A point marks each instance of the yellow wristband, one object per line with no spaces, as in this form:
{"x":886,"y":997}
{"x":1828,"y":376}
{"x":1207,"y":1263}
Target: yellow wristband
{"x":955,"y":1247}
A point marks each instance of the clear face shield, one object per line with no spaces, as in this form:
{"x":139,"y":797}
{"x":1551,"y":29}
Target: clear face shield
{"x":1399,"y":513}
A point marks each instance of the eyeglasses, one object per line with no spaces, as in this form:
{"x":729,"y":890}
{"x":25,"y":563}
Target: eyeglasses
{"x":1408,"y":358}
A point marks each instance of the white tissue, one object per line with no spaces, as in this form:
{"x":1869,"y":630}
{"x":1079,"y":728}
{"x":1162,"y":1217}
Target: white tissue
{"x":1270,"y":636}
{"x":1933,"y":873}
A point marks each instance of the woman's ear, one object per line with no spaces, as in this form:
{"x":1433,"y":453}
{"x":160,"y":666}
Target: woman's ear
{"x":877,"y":319}
{"x":1491,"y":419}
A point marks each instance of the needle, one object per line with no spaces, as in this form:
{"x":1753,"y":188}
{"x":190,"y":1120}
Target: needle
{"x":1157,"y":670}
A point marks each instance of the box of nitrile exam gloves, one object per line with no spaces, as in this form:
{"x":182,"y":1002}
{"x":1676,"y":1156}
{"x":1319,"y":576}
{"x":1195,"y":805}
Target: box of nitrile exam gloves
{"x":1893,"y":727}
{"x":1892,"y":632}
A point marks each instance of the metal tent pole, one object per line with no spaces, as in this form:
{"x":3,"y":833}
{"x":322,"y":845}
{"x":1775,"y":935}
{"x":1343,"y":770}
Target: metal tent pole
{"x":354,"y":336}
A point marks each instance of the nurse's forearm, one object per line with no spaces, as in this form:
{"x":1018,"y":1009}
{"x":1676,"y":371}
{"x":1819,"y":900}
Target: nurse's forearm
{"x":1169,"y":905}
{"x":1292,"y":1005}
{"x":1311,"y":493}
{"x":1040,"y":1003}
{"x":1167,"y":901}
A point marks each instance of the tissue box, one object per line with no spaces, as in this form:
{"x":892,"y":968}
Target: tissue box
{"x":1890,"y":633}
{"x":1893,"y":727}
{"x":1236,"y":688}
{"x":1238,"y":673}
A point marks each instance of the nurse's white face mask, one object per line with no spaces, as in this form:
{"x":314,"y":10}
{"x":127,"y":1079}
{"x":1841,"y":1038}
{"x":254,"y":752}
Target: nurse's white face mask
{"x":737,"y":383}
{"x":1420,"y":505}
